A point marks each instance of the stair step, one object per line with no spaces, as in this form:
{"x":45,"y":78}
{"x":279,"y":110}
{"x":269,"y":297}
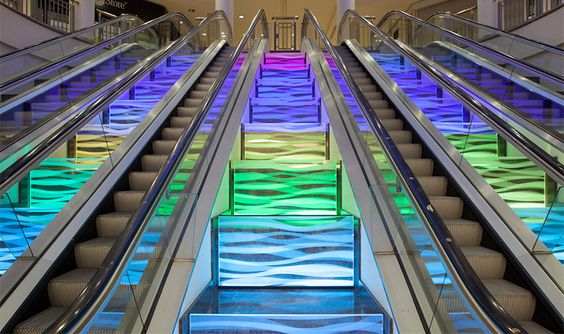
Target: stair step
{"x":91,"y":253}
{"x":180,"y":122}
{"x":401,"y":136}
{"x":127,"y":201}
{"x":385,"y":113}
{"x":448,"y":207}
{"x":141,"y":181}
{"x":284,"y":188}
{"x":196,"y":94}
{"x":433,"y":185}
{"x":192,"y":102}
{"x":410,"y":151}
{"x":486,"y":262}
{"x":40,"y":322}
{"x":518,"y":302}
{"x":64,"y":289}
{"x":186,"y":111}
{"x":283,"y":236}
{"x":163,"y":147}
{"x":465,"y":232}
{"x":110,"y":225}
{"x":392,"y":124}
{"x":534,"y":328}
{"x":153,"y":162}
{"x":421,"y":167}
{"x":378,"y":104}
{"x":172,"y":133}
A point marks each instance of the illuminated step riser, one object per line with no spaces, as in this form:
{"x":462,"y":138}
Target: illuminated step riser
{"x":274,"y":251}
{"x":276,"y":188}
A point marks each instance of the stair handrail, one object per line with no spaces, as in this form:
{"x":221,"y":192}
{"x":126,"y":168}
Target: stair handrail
{"x":58,"y":39}
{"x":555,"y":77}
{"x":108,"y":274}
{"x":522,"y":39}
{"x":14,"y":82}
{"x":485,"y":305}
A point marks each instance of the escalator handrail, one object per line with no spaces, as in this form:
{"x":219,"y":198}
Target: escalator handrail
{"x":494,"y":313}
{"x":555,"y":77}
{"x":58,"y":39}
{"x":521,"y":39}
{"x":540,"y":157}
{"x":24,"y":164}
{"x":108,"y":274}
{"x":61,"y":62}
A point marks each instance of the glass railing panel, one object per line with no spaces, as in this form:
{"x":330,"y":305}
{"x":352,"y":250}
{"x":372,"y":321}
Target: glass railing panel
{"x":524,"y":186}
{"x":39,"y":196}
{"x":538,"y":55}
{"x":55,"y":50}
{"x":441,"y":303}
{"x":533,"y":97}
{"x":152,"y":254}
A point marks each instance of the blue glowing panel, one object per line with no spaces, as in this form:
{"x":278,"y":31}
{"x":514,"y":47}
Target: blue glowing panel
{"x":286,"y":323}
{"x":285,"y":251}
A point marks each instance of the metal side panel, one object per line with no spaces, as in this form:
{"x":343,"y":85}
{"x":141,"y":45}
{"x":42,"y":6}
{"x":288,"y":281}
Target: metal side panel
{"x":493,"y":208}
{"x":54,"y":239}
{"x":177,"y":294}
{"x":399,"y":301}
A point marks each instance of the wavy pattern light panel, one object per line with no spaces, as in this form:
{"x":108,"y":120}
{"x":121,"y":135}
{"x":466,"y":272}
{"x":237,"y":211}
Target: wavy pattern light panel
{"x":264,"y":251}
{"x":285,"y":141}
{"x":276,"y":188}
{"x":286,"y":323}
{"x":513,"y":176}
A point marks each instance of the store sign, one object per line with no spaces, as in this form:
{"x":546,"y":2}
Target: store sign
{"x":111,"y":3}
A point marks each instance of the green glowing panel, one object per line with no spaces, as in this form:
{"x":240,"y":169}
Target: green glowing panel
{"x":276,"y":188}
{"x":285,"y":142}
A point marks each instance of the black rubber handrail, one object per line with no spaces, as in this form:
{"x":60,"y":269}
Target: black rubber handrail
{"x":431,"y":218}
{"x":510,"y":59}
{"x":82,"y":308}
{"x":519,"y":38}
{"x":58,"y":39}
{"x":14,"y":82}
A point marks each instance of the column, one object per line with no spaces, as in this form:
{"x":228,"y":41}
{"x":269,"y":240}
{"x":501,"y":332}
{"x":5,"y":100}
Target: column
{"x":84,"y":13}
{"x":487,"y":12}
{"x":342,"y":6}
{"x":227,"y":7}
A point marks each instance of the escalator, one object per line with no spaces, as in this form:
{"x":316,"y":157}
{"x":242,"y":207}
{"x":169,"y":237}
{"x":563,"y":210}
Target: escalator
{"x":54,"y":87}
{"x":470,"y":225}
{"x":103,"y":160}
{"x":524,"y":90}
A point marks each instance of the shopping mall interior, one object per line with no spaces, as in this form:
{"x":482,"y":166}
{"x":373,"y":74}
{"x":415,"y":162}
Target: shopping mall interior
{"x":281,"y":166}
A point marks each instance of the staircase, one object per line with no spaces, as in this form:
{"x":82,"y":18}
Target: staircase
{"x":286,"y":251}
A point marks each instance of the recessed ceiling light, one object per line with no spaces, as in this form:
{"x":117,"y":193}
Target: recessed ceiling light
{"x":241,"y":16}
{"x":191,"y":10}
